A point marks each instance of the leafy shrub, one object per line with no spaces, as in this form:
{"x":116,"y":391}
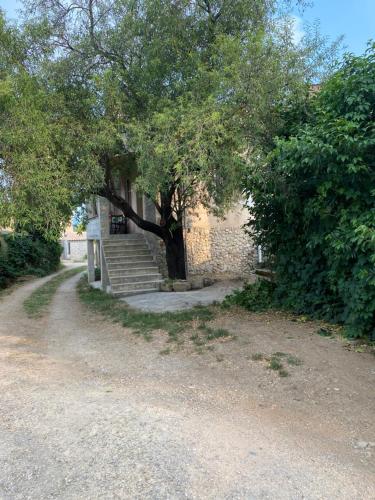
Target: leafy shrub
{"x":98,"y":274}
{"x":22,"y":255}
{"x":258,"y":296}
{"x":314,"y":204}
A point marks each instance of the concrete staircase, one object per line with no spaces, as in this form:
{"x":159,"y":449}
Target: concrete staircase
{"x":130,"y":264}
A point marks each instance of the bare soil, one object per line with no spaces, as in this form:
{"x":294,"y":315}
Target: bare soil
{"x":88,"y":410}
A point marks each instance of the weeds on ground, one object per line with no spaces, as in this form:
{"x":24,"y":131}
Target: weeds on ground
{"x":293,"y":361}
{"x":36,"y":304}
{"x":274,"y":362}
{"x":145,"y":323}
{"x":205,"y":334}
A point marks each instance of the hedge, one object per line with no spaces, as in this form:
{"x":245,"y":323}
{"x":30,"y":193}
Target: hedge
{"x":22,"y":255}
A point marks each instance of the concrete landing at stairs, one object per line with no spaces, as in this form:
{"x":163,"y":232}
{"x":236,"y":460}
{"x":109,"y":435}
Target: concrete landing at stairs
{"x":177,"y":301}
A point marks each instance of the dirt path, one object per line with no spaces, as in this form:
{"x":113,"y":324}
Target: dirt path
{"x":89,"y":411}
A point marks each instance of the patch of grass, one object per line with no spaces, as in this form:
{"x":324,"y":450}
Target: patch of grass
{"x":142,"y":323}
{"x":208,"y":334}
{"x":275,"y":364}
{"x":274,"y":361}
{"x":197,"y":340}
{"x":214,"y":333}
{"x":36,"y":304}
{"x":294,"y":361}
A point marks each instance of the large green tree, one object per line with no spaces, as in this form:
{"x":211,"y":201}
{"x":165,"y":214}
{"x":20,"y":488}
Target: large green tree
{"x":314,"y":203}
{"x":190,"y":90}
{"x":40,"y":153}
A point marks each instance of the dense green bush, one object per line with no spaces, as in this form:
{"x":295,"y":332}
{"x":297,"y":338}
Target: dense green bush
{"x":257,"y":297}
{"x":21,"y":255}
{"x":314,"y":204}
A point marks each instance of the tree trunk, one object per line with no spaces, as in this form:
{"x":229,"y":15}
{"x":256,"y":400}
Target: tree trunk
{"x":170,"y":229}
{"x":175,"y":254}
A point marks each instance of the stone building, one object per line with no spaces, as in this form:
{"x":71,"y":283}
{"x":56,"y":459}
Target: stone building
{"x":133,"y":261}
{"x":74,"y":245}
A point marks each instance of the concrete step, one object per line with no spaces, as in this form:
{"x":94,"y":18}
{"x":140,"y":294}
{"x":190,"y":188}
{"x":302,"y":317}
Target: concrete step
{"x":124,"y":266}
{"x":128,"y":245}
{"x":134,"y":278}
{"x":140,"y":285}
{"x":128,"y":261}
{"x":135,"y":292}
{"x":123,"y":252}
{"x":134,"y":270}
{"x":124,"y":237}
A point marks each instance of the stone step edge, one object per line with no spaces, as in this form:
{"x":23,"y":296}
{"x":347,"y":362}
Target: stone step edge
{"x":135,"y":292}
{"x":149,"y":282}
{"x":132,"y":279}
{"x":133,"y":256}
{"x":130,"y":272}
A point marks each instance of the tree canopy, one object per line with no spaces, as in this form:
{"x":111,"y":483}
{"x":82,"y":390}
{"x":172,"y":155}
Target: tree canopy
{"x":40,"y":175}
{"x":190,"y":88}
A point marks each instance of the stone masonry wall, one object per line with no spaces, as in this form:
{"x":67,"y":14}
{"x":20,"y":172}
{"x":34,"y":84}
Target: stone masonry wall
{"x":78,"y":250}
{"x":219,"y":250}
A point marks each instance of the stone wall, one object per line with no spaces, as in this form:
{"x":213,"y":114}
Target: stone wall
{"x":220,"y":250}
{"x":219,"y":245}
{"x":78,"y":250}
{"x":74,"y":250}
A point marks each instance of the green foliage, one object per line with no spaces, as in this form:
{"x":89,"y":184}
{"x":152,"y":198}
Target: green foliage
{"x":22,"y":255}
{"x":98,"y":274}
{"x":274,"y":361}
{"x":257,"y":297}
{"x":36,"y":304}
{"x":275,"y":364}
{"x":193,"y":87}
{"x":314,"y":204}
{"x":42,"y":154}
{"x":213,"y":333}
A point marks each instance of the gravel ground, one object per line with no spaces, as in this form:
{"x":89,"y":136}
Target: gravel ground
{"x":89,"y":411}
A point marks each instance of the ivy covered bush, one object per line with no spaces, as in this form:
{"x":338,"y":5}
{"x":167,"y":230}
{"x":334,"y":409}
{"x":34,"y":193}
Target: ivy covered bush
{"x":314,"y":204}
{"x":22,"y":255}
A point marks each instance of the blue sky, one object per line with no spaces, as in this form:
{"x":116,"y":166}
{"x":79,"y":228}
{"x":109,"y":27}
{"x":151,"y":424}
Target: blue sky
{"x":353,"y":18}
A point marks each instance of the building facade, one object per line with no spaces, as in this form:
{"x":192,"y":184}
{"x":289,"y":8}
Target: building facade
{"x":74,"y":245}
{"x":132,"y":260}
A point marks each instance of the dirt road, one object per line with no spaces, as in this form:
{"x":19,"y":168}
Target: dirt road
{"x":89,"y":411}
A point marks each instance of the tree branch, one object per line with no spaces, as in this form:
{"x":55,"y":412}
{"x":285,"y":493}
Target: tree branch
{"x":108,"y":191}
